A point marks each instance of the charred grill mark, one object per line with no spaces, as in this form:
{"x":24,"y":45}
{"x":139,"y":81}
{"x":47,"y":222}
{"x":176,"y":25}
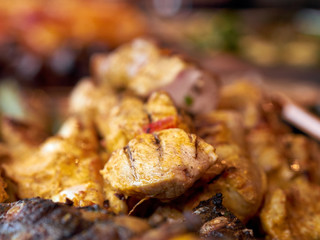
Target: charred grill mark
{"x":159,"y":147}
{"x":149,"y":117}
{"x":157,"y":140}
{"x":196,"y":145}
{"x":131,"y":161}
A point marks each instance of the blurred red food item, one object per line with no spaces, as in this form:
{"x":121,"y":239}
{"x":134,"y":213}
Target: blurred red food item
{"x":169,"y":122}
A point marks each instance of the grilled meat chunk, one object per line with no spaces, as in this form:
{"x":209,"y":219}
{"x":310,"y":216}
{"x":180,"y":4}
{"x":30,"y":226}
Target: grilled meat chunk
{"x":161,"y":165}
{"x":64,"y":167}
{"x":242,"y":182}
{"x":218,"y":222}
{"x":245,"y":98}
{"x":143,"y":68}
{"x":87,"y":99}
{"x":3,"y":185}
{"x":21,"y":138}
{"x":132,"y":117}
{"x":292,"y":211}
{"x":43,"y":219}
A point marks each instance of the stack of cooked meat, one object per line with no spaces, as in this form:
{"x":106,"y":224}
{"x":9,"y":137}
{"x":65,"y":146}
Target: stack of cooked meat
{"x":155,"y":149}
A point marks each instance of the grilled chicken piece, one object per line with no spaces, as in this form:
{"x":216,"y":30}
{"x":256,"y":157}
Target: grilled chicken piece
{"x":245,"y":98}
{"x":43,"y":219}
{"x":21,"y":138}
{"x":292,"y":212}
{"x":88,"y":99}
{"x":132,"y":117}
{"x":263,"y":147}
{"x":64,"y":167}
{"x":161,"y":165}
{"x":284,"y":156}
{"x":3,"y":185}
{"x":242,"y":182}
{"x":218,"y":222}
{"x":143,"y":68}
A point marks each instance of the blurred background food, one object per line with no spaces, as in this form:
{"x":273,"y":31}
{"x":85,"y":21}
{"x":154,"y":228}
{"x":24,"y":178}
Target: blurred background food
{"x":47,"y":45}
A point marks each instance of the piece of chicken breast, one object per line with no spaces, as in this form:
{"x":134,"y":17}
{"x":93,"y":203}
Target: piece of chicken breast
{"x":65,"y":167}
{"x":161,"y":165}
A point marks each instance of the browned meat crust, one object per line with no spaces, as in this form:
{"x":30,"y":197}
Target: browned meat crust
{"x":218,"y":222}
{"x":43,"y":219}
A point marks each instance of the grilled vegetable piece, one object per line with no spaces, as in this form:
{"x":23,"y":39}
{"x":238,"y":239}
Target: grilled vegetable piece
{"x":292,"y":211}
{"x":218,"y":222}
{"x":143,"y":68}
{"x":161,"y":165}
{"x":43,"y":219}
{"x":64,"y":167}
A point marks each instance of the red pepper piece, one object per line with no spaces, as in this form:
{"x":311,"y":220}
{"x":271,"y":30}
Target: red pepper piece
{"x":169,"y":122}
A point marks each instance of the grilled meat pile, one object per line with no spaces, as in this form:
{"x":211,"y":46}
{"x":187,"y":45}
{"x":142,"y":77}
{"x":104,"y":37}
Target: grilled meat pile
{"x":143,"y":157}
{"x":37,"y":218}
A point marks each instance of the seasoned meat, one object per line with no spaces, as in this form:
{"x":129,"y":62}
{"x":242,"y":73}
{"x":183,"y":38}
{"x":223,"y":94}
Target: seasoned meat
{"x":293,"y":212}
{"x":161,"y":165}
{"x":209,"y":220}
{"x":245,"y":98}
{"x":88,"y":99}
{"x":218,"y":222}
{"x":283,"y":156}
{"x":64,"y":167}
{"x":263,"y":147}
{"x":132,"y":117}
{"x":21,"y":138}
{"x":242,"y":182}
{"x":143,"y":68}
{"x":43,"y":219}
{"x":3,"y":185}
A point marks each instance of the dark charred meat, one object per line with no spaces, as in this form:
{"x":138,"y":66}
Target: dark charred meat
{"x":218,"y":222}
{"x":43,"y":219}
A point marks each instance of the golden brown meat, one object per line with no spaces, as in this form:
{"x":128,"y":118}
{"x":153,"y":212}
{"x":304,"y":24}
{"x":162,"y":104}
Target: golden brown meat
{"x":21,"y":138}
{"x":132,"y":117}
{"x":3,"y":185}
{"x":64,"y":167}
{"x":293,"y":212}
{"x":241,"y":182}
{"x":264,"y":148}
{"x":284,"y":156}
{"x":245,"y":98}
{"x":88,"y":99}
{"x":144,"y":68}
{"x":161,"y":165}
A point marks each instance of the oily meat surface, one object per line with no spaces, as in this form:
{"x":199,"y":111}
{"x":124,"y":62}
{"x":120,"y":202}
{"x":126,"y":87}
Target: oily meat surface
{"x":162,"y":165}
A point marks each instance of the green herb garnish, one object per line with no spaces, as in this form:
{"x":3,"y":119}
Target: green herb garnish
{"x":188,"y":100}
